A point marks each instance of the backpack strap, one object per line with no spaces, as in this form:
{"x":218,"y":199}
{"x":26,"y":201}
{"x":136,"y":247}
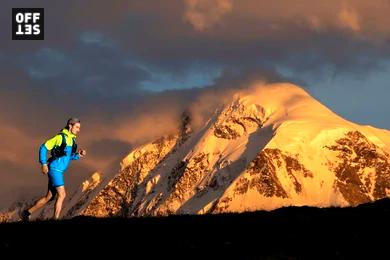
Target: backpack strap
{"x":74,"y":146}
{"x":59,"y":151}
{"x":63,"y":143}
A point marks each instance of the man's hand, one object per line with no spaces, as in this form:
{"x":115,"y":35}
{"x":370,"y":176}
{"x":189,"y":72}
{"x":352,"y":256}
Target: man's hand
{"x":45,"y":169}
{"x":82,"y":153}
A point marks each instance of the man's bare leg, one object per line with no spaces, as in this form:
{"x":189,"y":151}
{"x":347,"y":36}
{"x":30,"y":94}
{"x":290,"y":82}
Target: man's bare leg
{"x":41,"y":202}
{"x":60,"y":198}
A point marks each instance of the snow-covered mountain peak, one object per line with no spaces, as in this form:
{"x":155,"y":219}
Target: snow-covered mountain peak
{"x":271,"y":146}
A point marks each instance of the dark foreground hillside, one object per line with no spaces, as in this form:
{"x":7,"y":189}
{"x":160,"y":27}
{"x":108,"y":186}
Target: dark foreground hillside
{"x":288,"y":233}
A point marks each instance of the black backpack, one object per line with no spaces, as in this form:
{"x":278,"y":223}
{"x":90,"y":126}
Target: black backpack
{"x":59,"y":151}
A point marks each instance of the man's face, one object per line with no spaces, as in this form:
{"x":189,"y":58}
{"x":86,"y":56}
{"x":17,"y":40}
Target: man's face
{"x":75,"y":129}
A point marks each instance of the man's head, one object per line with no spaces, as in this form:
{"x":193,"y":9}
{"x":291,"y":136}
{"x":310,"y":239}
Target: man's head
{"x":73,"y":125}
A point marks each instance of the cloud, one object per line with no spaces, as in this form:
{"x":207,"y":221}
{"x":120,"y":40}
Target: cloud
{"x":19,"y":180}
{"x":105,"y":148}
{"x":349,"y":19}
{"x":203,"y":14}
{"x":300,"y":36}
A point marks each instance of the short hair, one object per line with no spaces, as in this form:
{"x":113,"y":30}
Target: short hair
{"x":72,"y":121}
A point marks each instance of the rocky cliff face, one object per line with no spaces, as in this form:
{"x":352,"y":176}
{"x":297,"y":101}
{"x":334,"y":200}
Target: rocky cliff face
{"x":235,"y":120}
{"x":263,"y":174}
{"x":363,"y":172}
{"x":117,"y":197}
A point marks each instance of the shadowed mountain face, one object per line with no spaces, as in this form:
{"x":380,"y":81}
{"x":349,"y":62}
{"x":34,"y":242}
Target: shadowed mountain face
{"x":271,"y":147}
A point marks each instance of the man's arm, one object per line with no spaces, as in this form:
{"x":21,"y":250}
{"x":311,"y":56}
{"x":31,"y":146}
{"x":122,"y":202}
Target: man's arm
{"x":76,"y":156}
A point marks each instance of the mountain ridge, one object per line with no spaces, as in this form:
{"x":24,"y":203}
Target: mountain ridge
{"x":286,"y":233}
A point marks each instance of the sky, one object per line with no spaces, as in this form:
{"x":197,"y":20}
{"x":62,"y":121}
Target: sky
{"x":128,"y":69}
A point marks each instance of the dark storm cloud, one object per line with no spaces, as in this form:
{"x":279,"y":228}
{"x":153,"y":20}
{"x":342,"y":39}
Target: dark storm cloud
{"x":89,"y":79}
{"x":179,"y":35}
{"x":304,"y":36}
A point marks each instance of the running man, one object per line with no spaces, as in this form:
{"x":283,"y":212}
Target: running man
{"x":63,"y":149}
